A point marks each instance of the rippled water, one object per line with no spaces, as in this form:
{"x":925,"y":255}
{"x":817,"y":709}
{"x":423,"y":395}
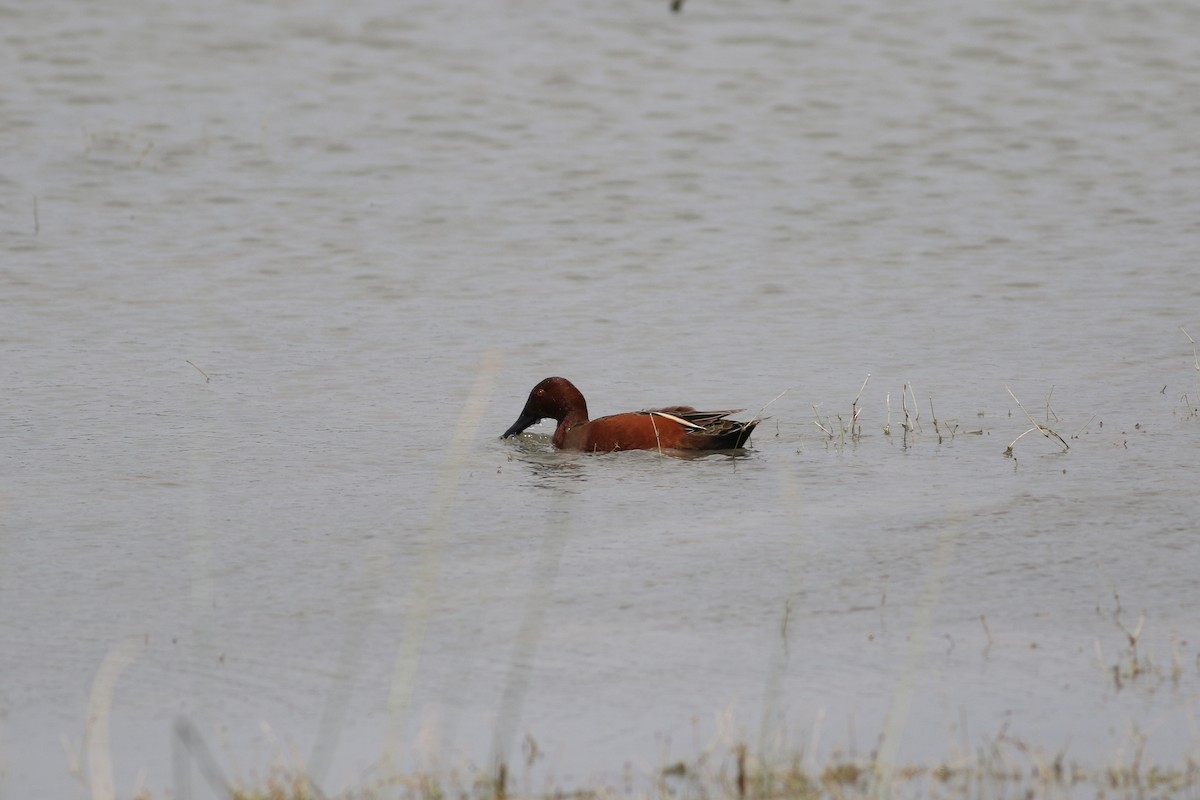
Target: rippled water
{"x":275,"y":277}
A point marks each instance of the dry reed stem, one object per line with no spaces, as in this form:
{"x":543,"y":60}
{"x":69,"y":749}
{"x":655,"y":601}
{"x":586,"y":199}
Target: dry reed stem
{"x":770,"y":402}
{"x":1049,"y":410}
{"x":936,"y":427}
{"x":1196,"y":360}
{"x":817,"y":412}
{"x":1045,"y":430}
{"x":1136,"y":665}
{"x":916,"y":408}
{"x":855,"y":410}
{"x":202,"y":372}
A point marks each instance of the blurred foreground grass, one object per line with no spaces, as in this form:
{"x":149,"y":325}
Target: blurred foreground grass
{"x":1004,"y":768}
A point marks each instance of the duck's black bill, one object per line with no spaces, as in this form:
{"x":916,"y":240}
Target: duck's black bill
{"x":523,"y":422}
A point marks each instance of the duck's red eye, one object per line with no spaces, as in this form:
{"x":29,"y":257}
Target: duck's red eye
{"x":540,"y":392}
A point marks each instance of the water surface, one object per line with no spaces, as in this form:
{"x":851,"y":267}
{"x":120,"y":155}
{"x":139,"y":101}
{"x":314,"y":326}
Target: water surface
{"x":275,"y":278}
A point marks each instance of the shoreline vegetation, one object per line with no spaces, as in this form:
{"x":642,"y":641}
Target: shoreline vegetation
{"x":1003,"y":767}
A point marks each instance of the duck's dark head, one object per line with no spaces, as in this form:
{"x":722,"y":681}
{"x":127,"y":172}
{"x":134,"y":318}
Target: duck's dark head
{"x":553,"y":398}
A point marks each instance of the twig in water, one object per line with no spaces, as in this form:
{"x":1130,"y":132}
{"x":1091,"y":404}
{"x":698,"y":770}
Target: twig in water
{"x":1045,"y":430}
{"x":1009,"y":450}
{"x":911,"y":420}
{"x":887,"y":426}
{"x":1136,"y":667}
{"x":772,"y":400}
{"x":1135,"y":664}
{"x":202,"y":372}
{"x":1049,"y":410}
{"x":817,"y":412}
{"x":933,"y":414}
{"x":1196,"y":360}
{"x":1081,"y":430}
{"x":855,"y":410}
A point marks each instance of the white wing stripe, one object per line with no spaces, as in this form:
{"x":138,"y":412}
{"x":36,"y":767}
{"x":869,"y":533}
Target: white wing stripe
{"x":676,"y":419}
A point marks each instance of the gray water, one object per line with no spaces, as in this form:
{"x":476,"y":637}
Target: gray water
{"x":276,"y":275}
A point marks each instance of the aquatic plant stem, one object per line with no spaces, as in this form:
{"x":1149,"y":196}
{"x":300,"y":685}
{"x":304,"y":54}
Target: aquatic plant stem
{"x":817,"y":412}
{"x":855,"y":410}
{"x":207,"y":379}
{"x":1045,"y":430}
{"x":916,"y":421}
{"x":1196,"y":361}
{"x":1084,"y":428}
{"x":770,"y":402}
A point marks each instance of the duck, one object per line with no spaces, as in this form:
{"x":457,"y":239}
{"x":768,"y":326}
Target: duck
{"x":671,"y":428}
